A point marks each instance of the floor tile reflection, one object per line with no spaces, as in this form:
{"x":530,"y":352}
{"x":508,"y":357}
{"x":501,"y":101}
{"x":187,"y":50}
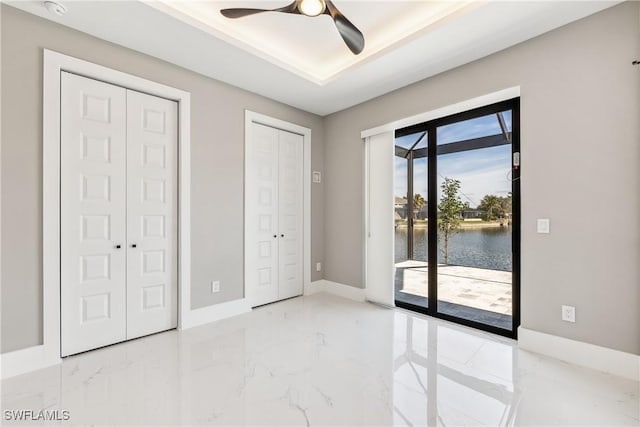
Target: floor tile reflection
{"x":323,"y":360}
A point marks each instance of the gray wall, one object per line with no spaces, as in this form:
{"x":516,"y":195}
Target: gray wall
{"x":580,"y":99}
{"x":217,"y":126}
{"x":580,"y":146}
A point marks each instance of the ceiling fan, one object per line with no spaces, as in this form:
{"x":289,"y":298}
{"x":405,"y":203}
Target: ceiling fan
{"x":352,"y":37}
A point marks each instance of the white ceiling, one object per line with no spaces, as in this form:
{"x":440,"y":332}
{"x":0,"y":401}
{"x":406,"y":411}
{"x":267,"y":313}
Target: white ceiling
{"x":312,"y":47}
{"x":302,"y":61}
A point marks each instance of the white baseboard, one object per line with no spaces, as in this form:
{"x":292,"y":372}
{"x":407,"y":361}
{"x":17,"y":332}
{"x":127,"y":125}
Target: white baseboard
{"x":201,"y":316}
{"x":592,"y":356}
{"x":344,"y":291}
{"x":26,"y":360}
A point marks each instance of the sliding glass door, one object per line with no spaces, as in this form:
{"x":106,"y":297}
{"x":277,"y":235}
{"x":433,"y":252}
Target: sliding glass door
{"x":457,"y":218}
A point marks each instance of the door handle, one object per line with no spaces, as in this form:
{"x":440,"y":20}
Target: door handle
{"x":275,"y":235}
{"x":118,"y":246}
{"x":282,"y":235}
{"x":134,"y":245}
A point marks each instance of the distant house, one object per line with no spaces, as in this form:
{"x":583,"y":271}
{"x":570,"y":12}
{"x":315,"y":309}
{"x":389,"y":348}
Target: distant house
{"x":401,"y":209}
{"x":423,"y":212}
{"x":473,"y":214}
{"x":400,"y":206}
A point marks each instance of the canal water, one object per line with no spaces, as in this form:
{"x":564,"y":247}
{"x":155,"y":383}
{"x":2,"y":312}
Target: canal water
{"x":488,"y":248}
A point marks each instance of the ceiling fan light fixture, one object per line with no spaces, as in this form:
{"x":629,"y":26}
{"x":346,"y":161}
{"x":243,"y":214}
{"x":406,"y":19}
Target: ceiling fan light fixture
{"x":352,"y":36}
{"x":311,"y":7}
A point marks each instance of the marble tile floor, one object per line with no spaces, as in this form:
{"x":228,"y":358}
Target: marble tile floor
{"x":323,"y":360}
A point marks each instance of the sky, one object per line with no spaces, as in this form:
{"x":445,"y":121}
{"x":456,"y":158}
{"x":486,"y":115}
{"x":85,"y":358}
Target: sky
{"x":480,"y":172}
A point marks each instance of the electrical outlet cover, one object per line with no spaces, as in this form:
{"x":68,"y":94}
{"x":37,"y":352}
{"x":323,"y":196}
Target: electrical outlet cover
{"x":568,"y":313}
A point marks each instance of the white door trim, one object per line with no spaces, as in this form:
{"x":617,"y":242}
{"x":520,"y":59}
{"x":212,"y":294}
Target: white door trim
{"x":253,"y":117}
{"x":54,"y":64}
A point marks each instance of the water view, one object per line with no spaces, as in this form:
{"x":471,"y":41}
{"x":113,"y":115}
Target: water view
{"x":488,"y":247}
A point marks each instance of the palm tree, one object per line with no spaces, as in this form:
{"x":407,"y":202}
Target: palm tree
{"x":418,"y":202}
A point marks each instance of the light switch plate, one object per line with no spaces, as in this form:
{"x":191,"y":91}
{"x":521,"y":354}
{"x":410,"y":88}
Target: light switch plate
{"x":544,"y":225}
{"x":215,"y":286}
{"x":317,"y":177}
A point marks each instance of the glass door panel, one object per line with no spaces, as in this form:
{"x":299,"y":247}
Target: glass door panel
{"x":475,"y":220}
{"x":411,"y":237}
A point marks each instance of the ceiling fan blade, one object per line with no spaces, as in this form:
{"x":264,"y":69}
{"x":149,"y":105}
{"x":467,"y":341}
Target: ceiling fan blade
{"x":242,"y":12}
{"x":352,"y":37}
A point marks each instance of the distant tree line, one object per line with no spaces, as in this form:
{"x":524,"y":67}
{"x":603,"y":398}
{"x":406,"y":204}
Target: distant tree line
{"x":495,"y":207}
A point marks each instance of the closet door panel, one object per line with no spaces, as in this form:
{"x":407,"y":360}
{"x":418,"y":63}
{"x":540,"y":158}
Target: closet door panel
{"x":92,"y":214}
{"x":152,"y":273}
{"x":290,"y":212}
{"x":261,"y":207}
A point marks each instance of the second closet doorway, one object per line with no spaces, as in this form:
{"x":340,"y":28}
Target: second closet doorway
{"x":118,"y":235}
{"x":274,"y":224}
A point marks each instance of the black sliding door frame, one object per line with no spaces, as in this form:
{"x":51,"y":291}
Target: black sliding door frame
{"x":431,"y":152}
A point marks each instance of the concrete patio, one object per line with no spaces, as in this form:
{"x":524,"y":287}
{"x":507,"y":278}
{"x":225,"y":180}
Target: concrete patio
{"x":468,"y":292}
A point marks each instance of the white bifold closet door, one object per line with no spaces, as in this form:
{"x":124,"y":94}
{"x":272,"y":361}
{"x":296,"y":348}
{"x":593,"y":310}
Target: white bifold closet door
{"x":152,"y":215}
{"x":118,"y":214}
{"x":274,"y":215}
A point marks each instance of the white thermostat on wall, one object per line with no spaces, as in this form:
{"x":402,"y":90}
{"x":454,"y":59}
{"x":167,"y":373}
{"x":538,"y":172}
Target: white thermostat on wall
{"x":317,"y":177}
